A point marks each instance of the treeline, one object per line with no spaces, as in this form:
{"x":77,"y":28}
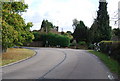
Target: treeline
{"x":49,"y":35}
{"x":99,"y":31}
{"x":100,"y":36}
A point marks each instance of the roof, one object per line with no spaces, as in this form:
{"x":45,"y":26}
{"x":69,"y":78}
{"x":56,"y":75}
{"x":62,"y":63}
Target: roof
{"x":102,"y":1}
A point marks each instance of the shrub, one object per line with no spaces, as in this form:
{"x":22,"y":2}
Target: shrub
{"x":37,"y":36}
{"x":51,"y":39}
{"x":105,"y":46}
{"x":112,"y":48}
{"x":82,"y":43}
{"x":91,"y":46}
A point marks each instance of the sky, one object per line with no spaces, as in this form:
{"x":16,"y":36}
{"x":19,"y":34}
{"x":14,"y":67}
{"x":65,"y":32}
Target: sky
{"x":62,"y":12}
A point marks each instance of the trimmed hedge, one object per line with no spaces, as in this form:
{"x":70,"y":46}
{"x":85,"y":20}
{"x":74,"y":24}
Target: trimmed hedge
{"x":37,"y":36}
{"x":51,"y":39}
{"x":112,"y":48}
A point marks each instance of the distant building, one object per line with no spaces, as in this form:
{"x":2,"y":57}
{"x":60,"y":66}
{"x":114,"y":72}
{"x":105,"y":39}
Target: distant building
{"x":102,"y":1}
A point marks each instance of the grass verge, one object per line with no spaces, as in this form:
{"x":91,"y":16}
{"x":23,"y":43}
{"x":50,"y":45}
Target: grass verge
{"x":112,"y":64}
{"x":14,"y":55}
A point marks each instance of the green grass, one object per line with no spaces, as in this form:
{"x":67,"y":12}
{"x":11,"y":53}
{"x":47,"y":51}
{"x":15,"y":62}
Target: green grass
{"x":112,"y":64}
{"x":14,"y":55}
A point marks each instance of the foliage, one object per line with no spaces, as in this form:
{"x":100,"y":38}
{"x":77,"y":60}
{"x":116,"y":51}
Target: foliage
{"x":117,"y":32}
{"x":46,"y":26}
{"x":55,"y":40}
{"x":67,"y":35}
{"x":74,"y":43}
{"x":8,"y":35}
{"x":112,"y":64}
{"x":100,"y":30}
{"x":14,"y":30}
{"x":75,"y":23}
{"x":80,"y":32}
{"x":111,"y":48}
{"x":82,"y":43}
{"x":69,"y":32}
{"x":91,"y":46}
{"x":14,"y":7}
{"x":37,"y":36}
{"x":94,"y":33}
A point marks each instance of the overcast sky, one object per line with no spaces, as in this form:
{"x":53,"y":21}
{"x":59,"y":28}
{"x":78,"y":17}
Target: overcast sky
{"x":62,"y":12}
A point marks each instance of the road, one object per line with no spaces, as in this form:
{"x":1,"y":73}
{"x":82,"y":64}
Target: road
{"x":54,"y":63}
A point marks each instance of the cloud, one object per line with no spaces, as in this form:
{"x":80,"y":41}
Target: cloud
{"x":113,"y":10}
{"x":28,"y":2}
{"x":62,"y":12}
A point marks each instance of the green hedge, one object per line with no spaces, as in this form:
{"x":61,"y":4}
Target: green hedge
{"x":82,"y":43}
{"x":51,"y":39}
{"x":37,"y":36}
{"x":112,"y":48}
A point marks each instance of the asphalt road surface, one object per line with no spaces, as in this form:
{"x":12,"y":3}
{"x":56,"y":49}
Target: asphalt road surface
{"x":54,"y":63}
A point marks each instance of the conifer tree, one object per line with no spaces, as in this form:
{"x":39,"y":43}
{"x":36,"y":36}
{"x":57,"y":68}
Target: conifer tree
{"x":100,"y":28}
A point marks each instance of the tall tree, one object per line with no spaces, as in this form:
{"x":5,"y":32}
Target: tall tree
{"x":104,"y":30}
{"x":14,"y":30}
{"x":94,"y":33}
{"x":46,"y":26}
{"x":80,"y":32}
{"x":100,"y":28}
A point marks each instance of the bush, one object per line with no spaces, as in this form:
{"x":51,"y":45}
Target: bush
{"x":82,"y":43}
{"x":37,"y":36}
{"x":105,"y":46}
{"x":91,"y":46}
{"x":55,"y":40}
{"x":111,"y":48}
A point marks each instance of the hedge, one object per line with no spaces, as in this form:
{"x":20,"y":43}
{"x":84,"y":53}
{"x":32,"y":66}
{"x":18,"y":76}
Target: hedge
{"x":51,"y":39}
{"x":37,"y":36}
{"x":112,"y":48}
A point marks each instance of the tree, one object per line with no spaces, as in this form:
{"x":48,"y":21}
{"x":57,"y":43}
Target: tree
{"x":100,"y":30}
{"x":14,"y":30}
{"x":75,"y":23}
{"x":69,"y":32}
{"x":103,"y":30}
{"x":80,"y":32}
{"x":36,"y":35}
{"x":94,"y":32}
{"x":116,"y":31}
{"x":46,"y":26}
